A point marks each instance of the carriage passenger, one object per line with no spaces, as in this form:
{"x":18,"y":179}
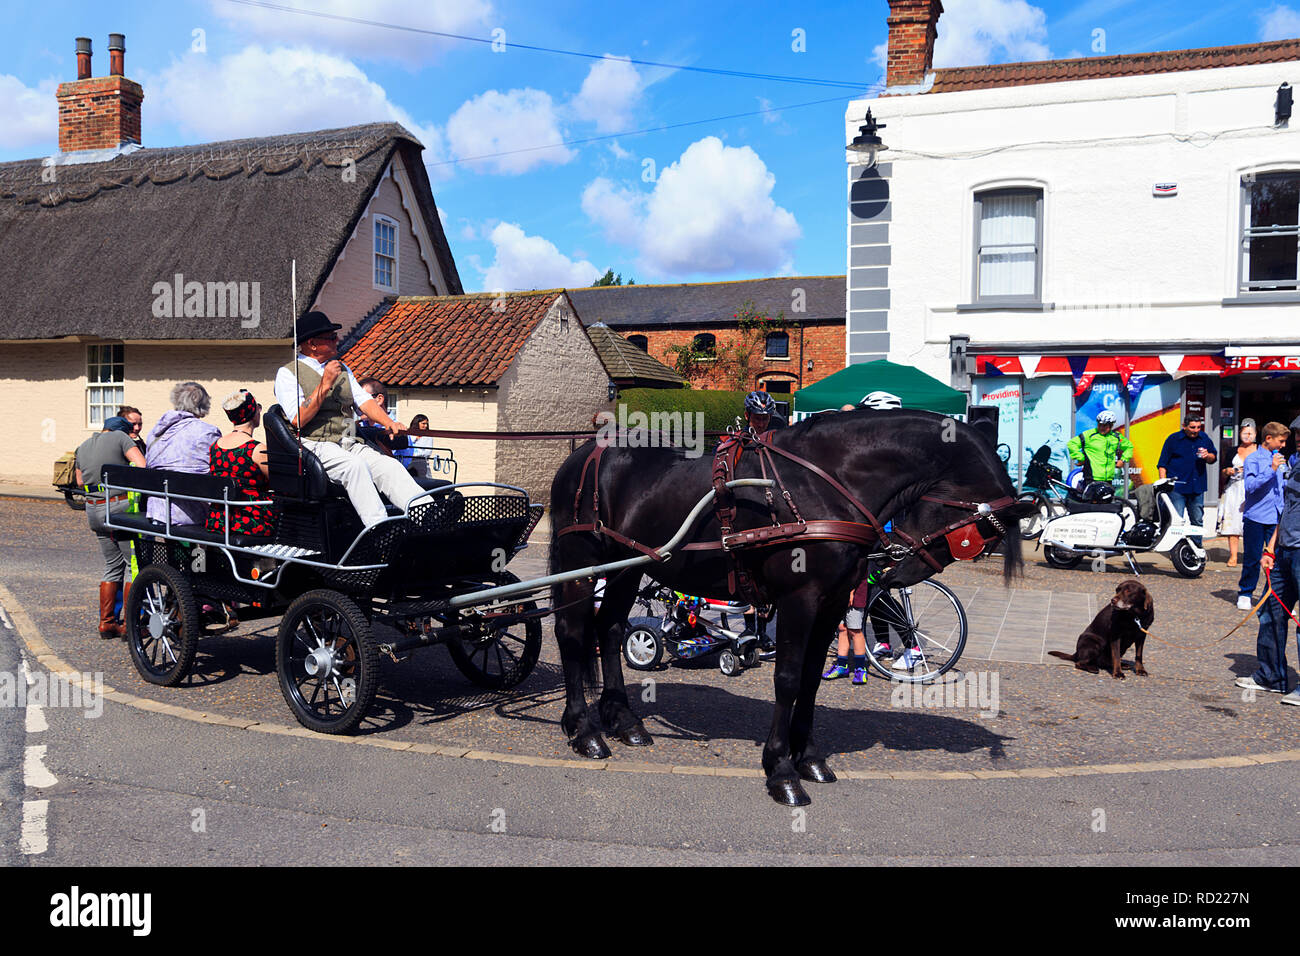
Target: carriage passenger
{"x":180,"y":442}
{"x":324,"y":397}
{"x":242,"y":458}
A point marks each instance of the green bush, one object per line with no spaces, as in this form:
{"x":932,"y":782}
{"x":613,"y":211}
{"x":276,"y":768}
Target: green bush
{"x":720,"y":408}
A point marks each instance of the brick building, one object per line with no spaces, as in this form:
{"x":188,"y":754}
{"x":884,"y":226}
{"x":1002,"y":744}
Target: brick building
{"x":126,"y":269}
{"x":809,"y":346}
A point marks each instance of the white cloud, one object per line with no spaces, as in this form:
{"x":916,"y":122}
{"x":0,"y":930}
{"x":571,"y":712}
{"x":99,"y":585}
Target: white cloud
{"x":618,"y":151}
{"x":609,"y":92}
{"x":711,"y":211}
{"x":531,"y":262}
{"x":974,"y":32}
{"x":495,"y":122}
{"x":469,"y":17}
{"x":262,"y":92}
{"x":1278,"y":23}
{"x":31,"y":115}
{"x":771,"y":115}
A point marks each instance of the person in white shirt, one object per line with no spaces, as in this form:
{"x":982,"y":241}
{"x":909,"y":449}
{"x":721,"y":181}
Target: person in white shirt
{"x":321,"y":397}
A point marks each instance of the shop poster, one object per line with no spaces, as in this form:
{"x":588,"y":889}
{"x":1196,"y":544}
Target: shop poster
{"x":1005,"y":393}
{"x":1155,"y":416}
{"x":1048,"y":404}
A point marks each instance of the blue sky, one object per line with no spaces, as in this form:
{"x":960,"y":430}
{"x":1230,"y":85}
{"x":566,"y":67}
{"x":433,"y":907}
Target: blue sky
{"x":748,"y":196}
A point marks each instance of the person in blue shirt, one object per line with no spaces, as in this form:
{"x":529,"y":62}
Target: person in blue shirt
{"x":1183,"y":458}
{"x":1263,"y":484}
{"x":1282,"y":559}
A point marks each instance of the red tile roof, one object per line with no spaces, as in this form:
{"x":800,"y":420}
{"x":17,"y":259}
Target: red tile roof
{"x":1129,"y":64}
{"x":452,"y":340}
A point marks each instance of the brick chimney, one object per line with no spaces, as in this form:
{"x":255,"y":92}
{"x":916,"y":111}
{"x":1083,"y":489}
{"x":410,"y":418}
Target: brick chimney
{"x":102,"y":112}
{"x":913,"y":26}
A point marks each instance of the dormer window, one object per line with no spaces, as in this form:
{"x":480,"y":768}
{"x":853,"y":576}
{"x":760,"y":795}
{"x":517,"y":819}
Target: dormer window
{"x":385,"y":254}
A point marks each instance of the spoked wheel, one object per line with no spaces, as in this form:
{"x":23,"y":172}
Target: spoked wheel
{"x":499,"y":657}
{"x":327,"y":662}
{"x":927,"y":628}
{"x":162,"y":625}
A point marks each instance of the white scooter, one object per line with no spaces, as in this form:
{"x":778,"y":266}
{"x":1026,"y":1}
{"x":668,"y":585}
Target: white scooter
{"x":1106,"y":529}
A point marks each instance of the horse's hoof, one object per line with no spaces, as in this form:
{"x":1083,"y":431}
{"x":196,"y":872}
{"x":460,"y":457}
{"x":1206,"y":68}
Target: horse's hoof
{"x":788,"y":793}
{"x":591,"y":747}
{"x":636,"y":736}
{"x":817,"y":771}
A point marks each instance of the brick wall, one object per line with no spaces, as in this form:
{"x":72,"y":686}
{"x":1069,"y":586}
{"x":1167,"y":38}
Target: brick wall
{"x":99,"y":113}
{"x":823,"y":344}
{"x":912,"y":32}
{"x":349,"y":294}
{"x":556,"y":382}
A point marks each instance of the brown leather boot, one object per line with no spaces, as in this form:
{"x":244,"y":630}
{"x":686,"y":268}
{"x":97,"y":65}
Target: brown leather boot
{"x":108,"y":626}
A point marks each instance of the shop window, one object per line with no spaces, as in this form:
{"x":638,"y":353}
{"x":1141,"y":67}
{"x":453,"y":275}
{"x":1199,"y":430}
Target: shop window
{"x":640,"y":341}
{"x":105,"y":383}
{"x":1008,"y":246}
{"x":1270,"y":239}
{"x":778,"y":345}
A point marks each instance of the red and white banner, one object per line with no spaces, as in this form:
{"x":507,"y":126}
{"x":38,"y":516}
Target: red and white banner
{"x":1262,"y":363}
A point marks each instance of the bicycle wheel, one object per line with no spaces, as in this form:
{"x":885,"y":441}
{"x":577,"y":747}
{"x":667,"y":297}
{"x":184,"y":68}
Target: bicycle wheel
{"x":926,"y":625}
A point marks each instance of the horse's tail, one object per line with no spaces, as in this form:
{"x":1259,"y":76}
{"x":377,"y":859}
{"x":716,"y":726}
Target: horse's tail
{"x":583,"y":642}
{"x":1012,"y":560}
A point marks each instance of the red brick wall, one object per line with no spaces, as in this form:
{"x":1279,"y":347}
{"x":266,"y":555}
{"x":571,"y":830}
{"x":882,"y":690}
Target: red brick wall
{"x":913,"y":27}
{"x":823,"y":344}
{"x":99,"y":113}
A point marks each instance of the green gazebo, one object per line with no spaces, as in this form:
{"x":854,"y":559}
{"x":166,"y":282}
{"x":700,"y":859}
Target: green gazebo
{"x":850,"y":385}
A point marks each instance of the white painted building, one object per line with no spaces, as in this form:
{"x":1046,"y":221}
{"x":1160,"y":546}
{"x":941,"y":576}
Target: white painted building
{"x":1030,"y":224}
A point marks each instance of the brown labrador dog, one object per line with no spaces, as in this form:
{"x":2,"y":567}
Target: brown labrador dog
{"x":1117,"y":626}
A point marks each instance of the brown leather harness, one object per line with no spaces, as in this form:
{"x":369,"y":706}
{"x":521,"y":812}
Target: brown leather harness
{"x":964,"y":539}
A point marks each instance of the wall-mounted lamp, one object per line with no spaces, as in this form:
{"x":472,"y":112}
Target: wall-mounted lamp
{"x":810,"y":365}
{"x":613,"y":391}
{"x":867,"y":146}
{"x":1282,"y":109}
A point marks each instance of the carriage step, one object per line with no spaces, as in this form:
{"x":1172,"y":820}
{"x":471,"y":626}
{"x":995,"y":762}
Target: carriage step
{"x":282,"y":551}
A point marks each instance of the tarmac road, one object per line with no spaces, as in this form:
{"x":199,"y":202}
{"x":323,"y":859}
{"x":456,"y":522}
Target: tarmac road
{"x":135,"y":786}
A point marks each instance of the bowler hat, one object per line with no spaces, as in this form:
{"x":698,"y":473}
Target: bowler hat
{"x":313,"y":324}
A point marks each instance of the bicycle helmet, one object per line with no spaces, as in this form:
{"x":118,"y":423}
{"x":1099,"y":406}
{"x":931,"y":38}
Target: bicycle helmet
{"x":1105,"y":415}
{"x":881,"y":400}
{"x":759,"y":403}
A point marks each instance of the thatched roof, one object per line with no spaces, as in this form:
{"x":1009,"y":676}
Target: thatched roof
{"x":81,"y":255}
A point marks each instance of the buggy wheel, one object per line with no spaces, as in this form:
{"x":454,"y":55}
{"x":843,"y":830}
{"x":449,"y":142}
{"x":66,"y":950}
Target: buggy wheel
{"x":327,"y":662}
{"x":1186,"y":561}
{"x":642,"y":648}
{"x":729,"y":664}
{"x":926,"y":620}
{"x":749,"y":657}
{"x":162,"y":625}
{"x":499,"y":657}
{"x":1060,"y":558}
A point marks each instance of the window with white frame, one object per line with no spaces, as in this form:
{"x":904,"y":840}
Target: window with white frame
{"x":1270,"y":237}
{"x":1009,"y":245}
{"x":385,"y":253}
{"x":777,"y":346}
{"x":105,"y":383}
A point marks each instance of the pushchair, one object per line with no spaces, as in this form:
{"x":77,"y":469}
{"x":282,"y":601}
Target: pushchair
{"x":686,"y":627}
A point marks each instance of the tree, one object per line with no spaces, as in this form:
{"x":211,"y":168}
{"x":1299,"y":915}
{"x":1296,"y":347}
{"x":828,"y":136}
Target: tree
{"x":610,"y":279}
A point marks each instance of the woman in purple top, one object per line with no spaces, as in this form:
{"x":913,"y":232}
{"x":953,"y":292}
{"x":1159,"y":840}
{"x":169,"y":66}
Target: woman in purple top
{"x":181,"y":442}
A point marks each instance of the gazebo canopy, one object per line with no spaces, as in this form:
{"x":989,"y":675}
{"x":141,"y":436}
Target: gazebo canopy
{"x":849,"y":386}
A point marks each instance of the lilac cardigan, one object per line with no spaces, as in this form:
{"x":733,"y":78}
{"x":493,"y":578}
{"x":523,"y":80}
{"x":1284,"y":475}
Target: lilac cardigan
{"x":181,"y":442}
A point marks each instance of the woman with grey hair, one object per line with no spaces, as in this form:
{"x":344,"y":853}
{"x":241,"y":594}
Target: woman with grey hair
{"x":181,"y":441}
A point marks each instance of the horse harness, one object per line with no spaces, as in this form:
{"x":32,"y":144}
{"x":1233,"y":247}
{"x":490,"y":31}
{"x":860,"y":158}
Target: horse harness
{"x":964,"y":539}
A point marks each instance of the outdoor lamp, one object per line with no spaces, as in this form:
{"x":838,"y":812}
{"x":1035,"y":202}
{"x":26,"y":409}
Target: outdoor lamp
{"x":867,"y":144}
{"x":1282,"y":108}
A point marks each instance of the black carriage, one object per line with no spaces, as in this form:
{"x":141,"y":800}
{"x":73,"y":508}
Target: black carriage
{"x":435,"y":574}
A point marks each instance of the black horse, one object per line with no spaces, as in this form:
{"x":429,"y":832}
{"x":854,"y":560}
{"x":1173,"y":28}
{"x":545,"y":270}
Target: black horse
{"x":895,"y":463}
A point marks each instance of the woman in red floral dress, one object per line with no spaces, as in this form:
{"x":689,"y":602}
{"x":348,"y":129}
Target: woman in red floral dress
{"x":242,"y":458}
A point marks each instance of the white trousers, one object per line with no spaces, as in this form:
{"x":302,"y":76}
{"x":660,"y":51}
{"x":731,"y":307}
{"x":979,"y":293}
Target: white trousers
{"x":365,"y":473}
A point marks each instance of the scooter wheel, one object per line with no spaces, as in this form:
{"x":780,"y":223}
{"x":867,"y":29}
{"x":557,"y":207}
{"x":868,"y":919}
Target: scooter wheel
{"x":1060,"y":558}
{"x":1186,"y":561}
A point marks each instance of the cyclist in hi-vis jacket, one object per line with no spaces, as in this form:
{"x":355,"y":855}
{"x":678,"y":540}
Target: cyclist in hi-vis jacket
{"x":1101,"y":446}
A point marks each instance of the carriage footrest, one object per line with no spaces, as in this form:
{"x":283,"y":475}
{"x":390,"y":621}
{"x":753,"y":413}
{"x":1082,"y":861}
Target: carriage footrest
{"x":283,"y":551}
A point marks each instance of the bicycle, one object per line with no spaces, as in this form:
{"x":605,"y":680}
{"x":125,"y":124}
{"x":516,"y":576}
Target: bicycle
{"x":927,"y":618}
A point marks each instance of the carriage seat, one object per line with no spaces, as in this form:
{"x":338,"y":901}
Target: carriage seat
{"x":158,"y":481}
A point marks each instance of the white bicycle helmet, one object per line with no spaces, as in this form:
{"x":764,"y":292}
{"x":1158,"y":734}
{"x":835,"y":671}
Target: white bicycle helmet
{"x":1106,"y":415}
{"x":881,"y":400}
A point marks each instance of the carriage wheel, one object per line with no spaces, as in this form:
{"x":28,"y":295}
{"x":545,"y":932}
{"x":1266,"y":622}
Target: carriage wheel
{"x":926,"y":622}
{"x":162,"y":625}
{"x":499,"y":657}
{"x":327,"y":661}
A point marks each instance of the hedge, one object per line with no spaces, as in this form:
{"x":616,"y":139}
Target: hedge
{"x":720,"y":408}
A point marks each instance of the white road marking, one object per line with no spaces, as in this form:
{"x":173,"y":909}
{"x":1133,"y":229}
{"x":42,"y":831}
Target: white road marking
{"x":35,"y":773}
{"x":4,"y":619}
{"x":36,"y":719}
{"x":33,"y":839}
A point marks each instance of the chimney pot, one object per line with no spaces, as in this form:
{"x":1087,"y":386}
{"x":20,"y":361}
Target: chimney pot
{"x":116,"y":53}
{"x":83,"y":58}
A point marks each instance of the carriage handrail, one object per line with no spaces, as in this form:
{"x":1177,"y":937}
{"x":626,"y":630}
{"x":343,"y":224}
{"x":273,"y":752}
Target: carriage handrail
{"x":597,"y":570}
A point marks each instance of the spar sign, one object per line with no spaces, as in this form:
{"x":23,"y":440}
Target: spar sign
{"x":1237,"y":364}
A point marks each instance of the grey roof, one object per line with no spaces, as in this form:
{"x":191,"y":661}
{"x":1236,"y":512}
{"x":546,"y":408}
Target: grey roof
{"x":81,"y":255}
{"x":709,"y":303}
{"x":628,"y":365}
